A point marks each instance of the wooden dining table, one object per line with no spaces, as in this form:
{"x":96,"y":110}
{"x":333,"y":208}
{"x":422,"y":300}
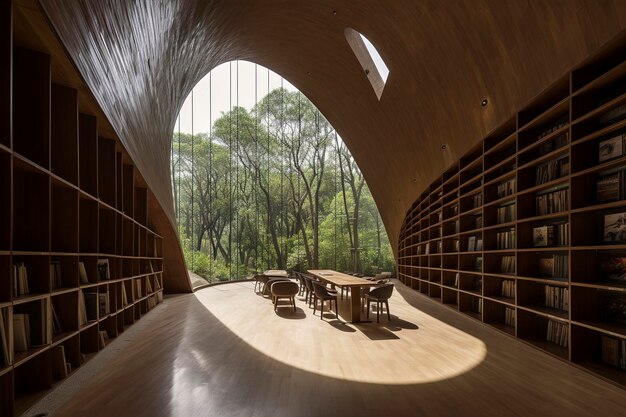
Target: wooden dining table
{"x":344,"y":280}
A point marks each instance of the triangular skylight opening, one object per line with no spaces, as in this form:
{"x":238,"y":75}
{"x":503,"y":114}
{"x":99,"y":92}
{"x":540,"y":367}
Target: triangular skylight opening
{"x":372,"y":63}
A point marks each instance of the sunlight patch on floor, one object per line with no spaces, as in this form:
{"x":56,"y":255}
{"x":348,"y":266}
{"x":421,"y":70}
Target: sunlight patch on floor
{"x":413,"y":348}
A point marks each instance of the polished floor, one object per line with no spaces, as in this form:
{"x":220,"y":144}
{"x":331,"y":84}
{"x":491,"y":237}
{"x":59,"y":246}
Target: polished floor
{"x":224,"y":352}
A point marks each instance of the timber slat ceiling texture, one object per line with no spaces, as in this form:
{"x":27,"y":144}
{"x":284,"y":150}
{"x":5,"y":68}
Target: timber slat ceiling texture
{"x":141,"y":58}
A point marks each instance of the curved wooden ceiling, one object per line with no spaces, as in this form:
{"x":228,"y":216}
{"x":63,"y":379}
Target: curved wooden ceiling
{"x":141,"y":58}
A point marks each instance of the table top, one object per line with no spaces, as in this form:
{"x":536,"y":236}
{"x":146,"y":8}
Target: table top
{"x":341,"y":279}
{"x":276,"y":273}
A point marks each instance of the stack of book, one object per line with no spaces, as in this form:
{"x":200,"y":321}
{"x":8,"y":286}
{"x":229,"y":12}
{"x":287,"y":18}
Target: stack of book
{"x":32,"y":326}
{"x":124,"y":296}
{"x":474,"y":244}
{"x":20,"y":279}
{"x":509,"y":316}
{"x":557,"y":297}
{"x":506,"y":188}
{"x":551,"y":235}
{"x":507,"y":264}
{"x":508,"y":288}
{"x":506,"y":213}
{"x":552,"y":170}
{"x":506,"y":239}
{"x":557,"y":333}
{"x":552,"y":202}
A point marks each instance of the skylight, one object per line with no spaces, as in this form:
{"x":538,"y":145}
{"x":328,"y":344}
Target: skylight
{"x":372,"y":63}
{"x":378,"y":61}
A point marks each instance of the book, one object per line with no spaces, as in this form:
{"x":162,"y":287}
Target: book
{"x":508,"y":288}
{"x":546,"y":266}
{"x":103,"y":336}
{"x":471,"y":243}
{"x":557,"y":333}
{"x":20,"y":332}
{"x":91,"y":306}
{"x":104,"y":272}
{"x":608,"y":187}
{"x":82,"y":272}
{"x":507,"y":264}
{"x":56,"y":324}
{"x":543,"y":236}
{"x":55,"y":275}
{"x":124,"y":296}
{"x":82,"y":310}
{"x":20,"y":279}
{"x":4,"y":342}
{"x":615,"y":227}
{"x":38,"y":322}
{"x":103,"y":304}
{"x":59,"y":368}
{"x":552,"y":202}
{"x":610,"y":351}
{"x":138,"y":288}
{"x":613,"y":115}
{"x":611,"y":148}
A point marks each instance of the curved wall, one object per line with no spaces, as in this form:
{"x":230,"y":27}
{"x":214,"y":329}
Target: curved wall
{"x":141,"y":60}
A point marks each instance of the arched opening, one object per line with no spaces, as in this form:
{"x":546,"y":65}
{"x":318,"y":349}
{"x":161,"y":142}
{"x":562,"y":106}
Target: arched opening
{"x":263,"y":181}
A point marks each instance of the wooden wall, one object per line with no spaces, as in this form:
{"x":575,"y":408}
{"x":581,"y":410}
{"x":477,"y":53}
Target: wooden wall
{"x":444,"y":57}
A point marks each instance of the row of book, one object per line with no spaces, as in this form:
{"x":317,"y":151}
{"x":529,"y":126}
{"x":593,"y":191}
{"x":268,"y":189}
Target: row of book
{"x":509,"y":316}
{"x":477,"y":305}
{"x":557,"y":333}
{"x":32,"y":326}
{"x":553,"y":128}
{"x":551,"y":235}
{"x":613,"y":351}
{"x":507,"y":264}
{"x":20,"y":279}
{"x":505,"y":239}
{"x":552,"y":202}
{"x":611,"y":187}
{"x":554,"y":144}
{"x":554,"y":266}
{"x":506,"y":213}
{"x":552,"y":170}
{"x":474,"y":244}
{"x":506,"y":188}
{"x":557,"y":297}
{"x":508,"y":288}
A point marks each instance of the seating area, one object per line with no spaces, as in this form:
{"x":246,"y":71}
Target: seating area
{"x":317,"y":288}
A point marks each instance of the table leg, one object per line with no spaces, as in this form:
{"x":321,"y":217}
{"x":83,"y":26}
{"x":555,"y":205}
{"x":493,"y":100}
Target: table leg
{"x":355,"y":304}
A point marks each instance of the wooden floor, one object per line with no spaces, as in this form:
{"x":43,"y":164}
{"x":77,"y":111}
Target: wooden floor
{"x":224,"y":352}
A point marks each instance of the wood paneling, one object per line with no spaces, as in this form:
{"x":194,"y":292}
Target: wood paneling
{"x":444,"y":58}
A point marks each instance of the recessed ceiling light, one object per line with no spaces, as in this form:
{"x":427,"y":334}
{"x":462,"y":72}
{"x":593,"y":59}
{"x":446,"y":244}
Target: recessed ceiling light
{"x":484,"y":102}
{"x":334,"y":12}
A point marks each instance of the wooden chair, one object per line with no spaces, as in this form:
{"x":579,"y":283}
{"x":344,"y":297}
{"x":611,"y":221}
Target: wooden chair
{"x":284,"y":289}
{"x":380,"y":295}
{"x":323,"y":294}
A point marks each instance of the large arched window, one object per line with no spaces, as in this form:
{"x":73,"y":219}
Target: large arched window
{"x":262,"y":181}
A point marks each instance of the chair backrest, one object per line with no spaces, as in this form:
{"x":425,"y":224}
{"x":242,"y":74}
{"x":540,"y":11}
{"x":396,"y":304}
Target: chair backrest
{"x":308,"y":282}
{"x":383,"y":292}
{"x":263,"y":278}
{"x":320,"y":290}
{"x":284,"y":288}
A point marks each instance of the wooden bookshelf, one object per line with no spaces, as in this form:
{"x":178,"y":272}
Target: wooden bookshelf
{"x":548,"y":269}
{"x":70,"y":201}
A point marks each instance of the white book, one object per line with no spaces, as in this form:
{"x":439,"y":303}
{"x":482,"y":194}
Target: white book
{"x":83,"y":273}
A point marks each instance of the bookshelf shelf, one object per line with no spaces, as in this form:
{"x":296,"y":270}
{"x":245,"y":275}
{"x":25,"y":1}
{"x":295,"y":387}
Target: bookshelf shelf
{"x":69,"y":199}
{"x":566,"y":297}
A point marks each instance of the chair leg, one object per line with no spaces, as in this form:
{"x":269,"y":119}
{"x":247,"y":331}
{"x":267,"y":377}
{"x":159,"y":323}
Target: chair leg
{"x":377,"y":311}
{"x":314,"y":307}
{"x":275,"y":305}
{"x":387,"y":304}
{"x":368,"y":308}
{"x":336,"y":310}
{"x":293,"y":302}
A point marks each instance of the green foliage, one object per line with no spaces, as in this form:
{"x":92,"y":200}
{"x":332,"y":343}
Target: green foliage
{"x":263,"y":190}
